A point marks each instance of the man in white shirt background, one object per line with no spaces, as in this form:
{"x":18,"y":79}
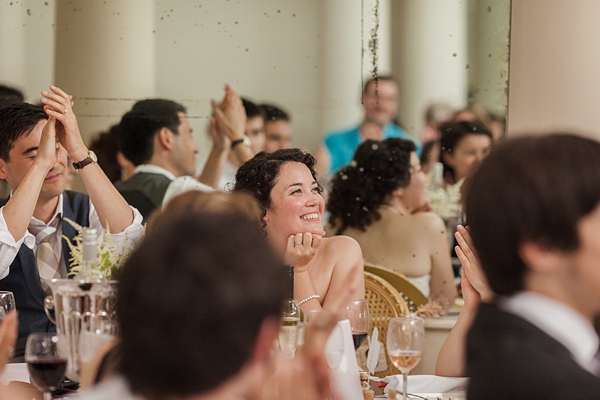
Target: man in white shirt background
{"x":156,"y":136}
{"x":34,"y":144}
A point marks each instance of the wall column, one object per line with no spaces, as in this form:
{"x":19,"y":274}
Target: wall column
{"x":341,"y":73}
{"x":431,"y":56}
{"x":104,"y":57}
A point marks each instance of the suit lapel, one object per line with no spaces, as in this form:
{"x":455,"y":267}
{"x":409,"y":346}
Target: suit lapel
{"x":67,"y":230}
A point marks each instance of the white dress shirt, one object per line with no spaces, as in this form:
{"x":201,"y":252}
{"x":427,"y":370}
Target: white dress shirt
{"x":9,"y":247}
{"x":227,"y":178}
{"x":559,"y":321}
{"x":177,"y":185}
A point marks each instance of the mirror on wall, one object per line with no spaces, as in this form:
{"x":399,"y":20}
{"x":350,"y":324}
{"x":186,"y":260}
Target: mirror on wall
{"x":308,"y":56}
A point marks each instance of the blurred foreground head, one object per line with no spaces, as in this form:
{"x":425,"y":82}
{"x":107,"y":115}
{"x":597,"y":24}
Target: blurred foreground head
{"x":195,"y":301}
{"x":532,"y":206}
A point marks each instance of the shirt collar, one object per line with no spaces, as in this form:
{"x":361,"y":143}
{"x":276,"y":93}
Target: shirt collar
{"x":57,"y":213}
{"x":154,"y":169}
{"x":558,"y":320}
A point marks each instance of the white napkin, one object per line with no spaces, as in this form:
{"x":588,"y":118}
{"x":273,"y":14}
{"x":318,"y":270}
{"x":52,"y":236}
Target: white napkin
{"x":427,"y":384}
{"x":15,"y":372}
{"x":341,"y":357}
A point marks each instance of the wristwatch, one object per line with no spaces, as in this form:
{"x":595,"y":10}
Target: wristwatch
{"x":245,"y":141}
{"x":91,"y":158}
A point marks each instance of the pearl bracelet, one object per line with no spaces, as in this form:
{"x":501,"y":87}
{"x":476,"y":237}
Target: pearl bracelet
{"x":314,"y":296}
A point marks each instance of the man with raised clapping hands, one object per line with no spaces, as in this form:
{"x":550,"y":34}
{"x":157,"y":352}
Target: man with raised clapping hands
{"x":34,"y":145}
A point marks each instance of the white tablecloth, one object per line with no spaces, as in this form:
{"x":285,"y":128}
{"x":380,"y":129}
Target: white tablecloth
{"x":431,"y":385}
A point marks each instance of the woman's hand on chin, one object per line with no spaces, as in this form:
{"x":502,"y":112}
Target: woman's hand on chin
{"x":300,"y":250}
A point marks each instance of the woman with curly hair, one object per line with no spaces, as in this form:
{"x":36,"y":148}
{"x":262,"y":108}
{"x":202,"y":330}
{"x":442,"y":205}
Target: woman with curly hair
{"x":378,"y":200}
{"x":285,"y":185}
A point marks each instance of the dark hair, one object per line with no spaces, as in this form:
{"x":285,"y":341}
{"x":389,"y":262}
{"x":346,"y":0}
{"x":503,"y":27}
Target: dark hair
{"x":359,"y":189}
{"x":15,"y":120}
{"x":138,"y":127}
{"x":530,"y":189}
{"x":191,"y":302}
{"x":257,"y":176}
{"x":455,"y":131}
{"x":388,"y":78}
{"x":106,"y":147}
{"x":197,"y":201}
{"x":274,"y":113}
{"x":9,"y":95}
{"x":427,"y":149}
{"x":252,"y":109}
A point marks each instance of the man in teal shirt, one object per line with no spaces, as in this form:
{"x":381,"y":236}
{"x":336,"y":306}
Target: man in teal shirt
{"x":380,"y":101}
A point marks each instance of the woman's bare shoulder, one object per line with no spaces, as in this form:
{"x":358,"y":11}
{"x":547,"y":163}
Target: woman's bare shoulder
{"x":428,"y":218}
{"x":340,"y":241}
{"x":342,"y":247}
{"x":424,"y":223}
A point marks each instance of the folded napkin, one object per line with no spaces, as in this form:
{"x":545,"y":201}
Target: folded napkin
{"x":15,"y":372}
{"x":427,"y":384}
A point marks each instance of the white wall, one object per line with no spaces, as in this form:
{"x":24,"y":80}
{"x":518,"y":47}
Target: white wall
{"x":301,"y":54}
{"x":265,"y":49}
{"x":554,"y":74}
{"x":27,"y":45}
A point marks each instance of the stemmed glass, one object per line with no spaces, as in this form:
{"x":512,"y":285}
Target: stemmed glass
{"x":357,"y":313}
{"x":7,"y":303}
{"x":405,"y":343}
{"x":46,"y":361}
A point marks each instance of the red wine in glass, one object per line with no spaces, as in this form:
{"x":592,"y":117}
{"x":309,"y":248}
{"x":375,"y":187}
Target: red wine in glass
{"x":47,"y":373}
{"x":46,"y":361}
{"x":358,"y":337}
{"x":357,"y":312}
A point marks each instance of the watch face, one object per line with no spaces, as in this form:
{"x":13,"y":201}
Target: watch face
{"x":93,"y":156}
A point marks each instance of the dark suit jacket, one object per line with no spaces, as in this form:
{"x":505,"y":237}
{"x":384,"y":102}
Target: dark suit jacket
{"x":509,"y":358}
{"x":144,"y":191}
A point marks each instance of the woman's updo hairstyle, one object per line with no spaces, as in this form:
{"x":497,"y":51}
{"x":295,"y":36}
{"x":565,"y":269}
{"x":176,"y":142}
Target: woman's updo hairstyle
{"x":358,"y":190}
{"x":258,"y":175}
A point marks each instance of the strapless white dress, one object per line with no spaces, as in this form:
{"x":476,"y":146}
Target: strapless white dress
{"x":422,"y":283}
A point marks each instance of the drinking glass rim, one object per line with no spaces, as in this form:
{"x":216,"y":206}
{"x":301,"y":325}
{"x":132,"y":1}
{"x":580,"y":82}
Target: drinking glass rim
{"x":408,"y":317}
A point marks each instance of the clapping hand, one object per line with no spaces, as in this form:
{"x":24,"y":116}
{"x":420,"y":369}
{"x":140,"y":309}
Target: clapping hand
{"x":230,"y":116}
{"x":59,"y":105}
{"x":474,"y":284}
{"x":48,"y":149}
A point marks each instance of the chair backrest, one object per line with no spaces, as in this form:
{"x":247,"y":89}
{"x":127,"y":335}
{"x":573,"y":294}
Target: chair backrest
{"x":409,"y":292}
{"x":385,"y":303}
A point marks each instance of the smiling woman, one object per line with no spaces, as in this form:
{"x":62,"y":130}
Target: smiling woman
{"x":289,"y":195}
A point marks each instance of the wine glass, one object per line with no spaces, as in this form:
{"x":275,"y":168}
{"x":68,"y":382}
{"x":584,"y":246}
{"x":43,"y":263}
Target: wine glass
{"x":405,"y":343}
{"x":7,"y":303}
{"x":46,"y":361}
{"x":357,"y":313}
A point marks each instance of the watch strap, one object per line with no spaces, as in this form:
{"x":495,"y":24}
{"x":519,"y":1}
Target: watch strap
{"x":84,"y":162}
{"x":236,"y":142}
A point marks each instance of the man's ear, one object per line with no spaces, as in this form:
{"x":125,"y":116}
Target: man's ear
{"x":3,"y":169}
{"x":540,"y":258}
{"x":165,"y":137}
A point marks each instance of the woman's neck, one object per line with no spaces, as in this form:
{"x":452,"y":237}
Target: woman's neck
{"x":396,"y":206}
